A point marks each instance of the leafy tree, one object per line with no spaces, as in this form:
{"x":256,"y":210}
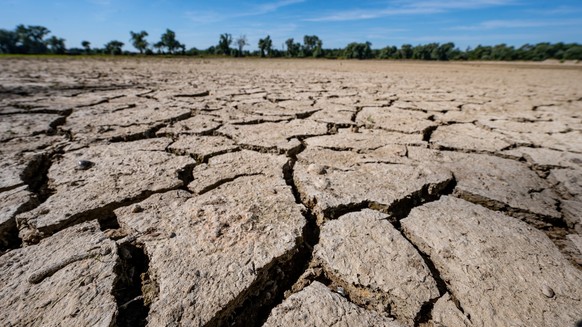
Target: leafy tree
{"x":241,"y":42}
{"x":574,"y":52}
{"x":224,"y":43}
{"x":356,"y":50}
{"x":138,"y":40}
{"x":265,"y":46}
{"x":388,"y":53}
{"x":443,"y":51}
{"x":406,"y":51}
{"x":114,"y":47}
{"x":293,"y":48}
{"x":502,"y":52}
{"x":87,"y":46}
{"x":168,"y":41}
{"x":56,"y":45}
{"x":31,"y":38}
{"x":312,"y":46}
{"x":8,"y":41}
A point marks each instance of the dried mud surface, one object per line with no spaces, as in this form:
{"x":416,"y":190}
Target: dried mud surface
{"x":188,"y":192}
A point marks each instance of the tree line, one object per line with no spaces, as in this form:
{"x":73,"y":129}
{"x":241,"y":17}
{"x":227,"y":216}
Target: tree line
{"x":36,"y":40}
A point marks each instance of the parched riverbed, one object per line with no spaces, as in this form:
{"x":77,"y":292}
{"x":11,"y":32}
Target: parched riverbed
{"x":189,"y":192}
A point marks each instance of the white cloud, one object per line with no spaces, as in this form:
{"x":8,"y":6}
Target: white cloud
{"x":204,"y":17}
{"x":509,"y":24}
{"x":405,"y":7}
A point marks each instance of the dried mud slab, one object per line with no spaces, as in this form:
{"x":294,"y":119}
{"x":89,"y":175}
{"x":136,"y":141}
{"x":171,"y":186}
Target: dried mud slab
{"x":496,"y":183}
{"x":546,"y":158}
{"x":273,"y":137}
{"x":445,"y":313}
{"x":333,"y":113}
{"x":13,"y":202}
{"x":376,"y":264}
{"x":216,"y":250}
{"x":230,"y":166}
{"x":473,"y":138}
{"x":201,"y":148}
{"x":397,"y":120}
{"x":199,"y":124}
{"x":21,"y":125}
{"x":12,"y":170}
{"x":502,"y":271}
{"x":333,"y":187}
{"x":66,"y":279}
{"x":363,"y":141}
{"x":89,"y":182}
{"x":121,"y":120}
{"x":316,"y":305}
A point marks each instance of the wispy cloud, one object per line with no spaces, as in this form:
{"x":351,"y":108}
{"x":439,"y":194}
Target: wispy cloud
{"x":204,"y":17}
{"x":101,"y":2}
{"x":410,"y":8}
{"x":274,"y":6}
{"x":510,"y":24}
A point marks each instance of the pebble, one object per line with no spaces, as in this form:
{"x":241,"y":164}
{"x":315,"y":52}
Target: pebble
{"x":84,"y":164}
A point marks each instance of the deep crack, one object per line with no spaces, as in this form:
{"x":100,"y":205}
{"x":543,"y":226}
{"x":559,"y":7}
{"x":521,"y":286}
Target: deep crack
{"x":133,"y":289}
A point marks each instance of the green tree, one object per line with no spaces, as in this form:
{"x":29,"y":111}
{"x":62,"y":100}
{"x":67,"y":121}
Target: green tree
{"x":312,"y":46}
{"x":87,"y":46}
{"x":56,"y":45}
{"x":406,"y":51}
{"x":31,"y":38}
{"x":574,"y":52}
{"x":293,"y":48}
{"x":265,"y":46}
{"x":442,"y":52}
{"x":241,"y":42}
{"x":168,"y":41}
{"x":356,"y":50}
{"x":114,"y":47}
{"x":138,"y":40}
{"x":388,"y":53}
{"x":8,"y":41}
{"x":224,"y":42}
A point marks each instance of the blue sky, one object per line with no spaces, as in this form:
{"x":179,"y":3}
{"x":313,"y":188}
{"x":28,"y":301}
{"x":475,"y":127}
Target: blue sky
{"x":337,"y":23}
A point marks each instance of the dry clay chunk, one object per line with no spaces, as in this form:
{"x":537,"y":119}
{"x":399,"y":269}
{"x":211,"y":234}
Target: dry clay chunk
{"x":473,"y":138}
{"x":495,"y":182}
{"x":202,"y":147}
{"x":317,"y":306}
{"x":12,"y":203}
{"x":212,"y":248}
{"x":65,"y":280}
{"x":230,"y":166}
{"x":20,"y":125}
{"x":115,"y":173}
{"x":404,"y":121}
{"x":446,"y":314}
{"x":277,"y":137}
{"x":330,"y":188}
{"x":366,"y":139}
{"x":502,"y":271}
{"x":378,"y":264}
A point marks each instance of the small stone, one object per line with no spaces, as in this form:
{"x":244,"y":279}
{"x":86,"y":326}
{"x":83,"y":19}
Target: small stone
{"x":137,"y":208}
{"x":341,"y":291}
{"x":548,"y":291}
{"x":84,"y":164}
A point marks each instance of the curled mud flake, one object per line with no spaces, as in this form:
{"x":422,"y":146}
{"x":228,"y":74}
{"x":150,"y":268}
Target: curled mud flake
{"x":84,"y":164}
{"x":548,"y":291}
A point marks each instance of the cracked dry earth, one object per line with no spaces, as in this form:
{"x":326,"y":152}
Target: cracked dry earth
{"x":186,"y":192}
